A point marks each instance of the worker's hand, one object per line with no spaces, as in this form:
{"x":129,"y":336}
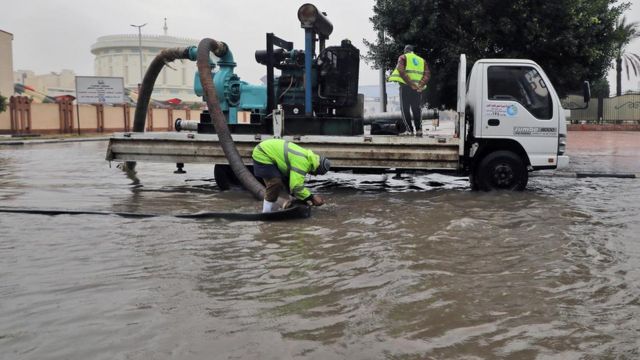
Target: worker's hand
{"x":317,"y":200}
{"x":414,"y":86}
{"x":286,"y":204}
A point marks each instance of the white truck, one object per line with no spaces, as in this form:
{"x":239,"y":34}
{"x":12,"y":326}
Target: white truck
{"x":509,"y":121}
{"x":514,"y":122}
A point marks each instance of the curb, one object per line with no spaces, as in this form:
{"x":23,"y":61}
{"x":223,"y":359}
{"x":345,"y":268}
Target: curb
{"x":582,"y":175}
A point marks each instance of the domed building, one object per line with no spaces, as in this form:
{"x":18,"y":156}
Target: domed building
{"x":119,"y":56}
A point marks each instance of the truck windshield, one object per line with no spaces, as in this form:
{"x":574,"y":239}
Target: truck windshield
{"x":522,"y":84}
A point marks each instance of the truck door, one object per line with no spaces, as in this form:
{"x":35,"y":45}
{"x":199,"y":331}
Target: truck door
{"x":518,"y":104}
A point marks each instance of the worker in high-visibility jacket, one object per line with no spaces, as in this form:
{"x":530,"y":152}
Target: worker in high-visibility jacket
{"x":278,"y":159}
{"x":412,"y":73}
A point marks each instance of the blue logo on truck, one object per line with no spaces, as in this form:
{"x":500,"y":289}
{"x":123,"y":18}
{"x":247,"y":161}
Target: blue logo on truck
{"x":512,"y":110}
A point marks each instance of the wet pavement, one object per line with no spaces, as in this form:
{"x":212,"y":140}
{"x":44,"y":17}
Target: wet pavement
{"x":606,"y":151}
{"x":410,"y":268}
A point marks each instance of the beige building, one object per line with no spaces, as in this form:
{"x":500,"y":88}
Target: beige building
{"x":6,"y":63}
{"x":51,"y":84}
{"x":119,"y":56}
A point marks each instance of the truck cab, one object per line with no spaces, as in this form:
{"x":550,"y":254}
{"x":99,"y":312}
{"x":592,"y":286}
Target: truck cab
{"x":514,"y":122}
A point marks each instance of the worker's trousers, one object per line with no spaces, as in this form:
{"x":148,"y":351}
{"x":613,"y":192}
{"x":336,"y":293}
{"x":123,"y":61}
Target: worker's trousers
{"x":273,"y":187}
{"x":409,"y":103}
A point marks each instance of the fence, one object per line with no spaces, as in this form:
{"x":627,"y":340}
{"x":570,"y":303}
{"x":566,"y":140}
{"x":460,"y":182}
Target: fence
{"x":620,"y":110}
{"x":25,"y":117}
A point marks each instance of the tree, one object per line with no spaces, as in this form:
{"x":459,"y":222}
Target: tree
{"x":573,"y":40}
{"x":3,"y":103}
{"x":624,"y":33}
{"x":600,"y":88}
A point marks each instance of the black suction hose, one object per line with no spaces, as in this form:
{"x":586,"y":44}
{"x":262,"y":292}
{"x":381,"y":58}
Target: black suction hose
{"x":146,"y":88}
{"x":219,"y":122}
{"x":245,"y":177}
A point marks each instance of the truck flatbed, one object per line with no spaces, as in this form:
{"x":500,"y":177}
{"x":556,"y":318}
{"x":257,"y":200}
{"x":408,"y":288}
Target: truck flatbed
{"x":431,"y":152}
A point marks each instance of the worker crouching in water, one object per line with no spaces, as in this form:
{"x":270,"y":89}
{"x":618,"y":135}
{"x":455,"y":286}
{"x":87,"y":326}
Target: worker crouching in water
{"x":278,"y":159}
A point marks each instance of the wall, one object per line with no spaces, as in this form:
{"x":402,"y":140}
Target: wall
{"x":5,"y":122}
{"x":49,"y":119}
{"x":6,"y":64}
{"x":623,"y":109}
{"x":88,"y":118}
{"x":45,"y":118}
{"x":114,"y":118}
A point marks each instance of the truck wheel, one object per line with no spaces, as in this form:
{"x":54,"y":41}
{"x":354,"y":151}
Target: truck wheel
{"x":224,"y":176}
{"x":502,"y":170}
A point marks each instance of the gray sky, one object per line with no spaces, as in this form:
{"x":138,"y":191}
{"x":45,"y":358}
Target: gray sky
{"x":54,"y":35}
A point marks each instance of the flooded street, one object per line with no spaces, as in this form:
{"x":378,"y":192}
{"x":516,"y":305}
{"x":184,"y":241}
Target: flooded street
{"x":411,"y":268}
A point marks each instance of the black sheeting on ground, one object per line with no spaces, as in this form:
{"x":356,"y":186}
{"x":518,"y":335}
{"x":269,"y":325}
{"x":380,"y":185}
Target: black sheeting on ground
{"x":296,"y":212}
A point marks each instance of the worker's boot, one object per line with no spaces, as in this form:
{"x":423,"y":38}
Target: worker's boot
{"x":267,"y":206}
{"x":419,"y":133}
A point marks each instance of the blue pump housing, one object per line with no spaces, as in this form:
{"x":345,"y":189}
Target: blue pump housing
{"x":234,"y":94}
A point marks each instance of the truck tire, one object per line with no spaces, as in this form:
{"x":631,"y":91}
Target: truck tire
{"x":225,"y":178}
{"x":501,"y":170}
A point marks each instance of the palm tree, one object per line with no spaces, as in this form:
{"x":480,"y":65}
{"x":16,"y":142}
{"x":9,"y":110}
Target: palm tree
{"x":624,"y":34}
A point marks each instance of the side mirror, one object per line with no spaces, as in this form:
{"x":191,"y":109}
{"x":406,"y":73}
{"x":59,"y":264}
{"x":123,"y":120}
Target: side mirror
{"x":573,"y":101}
{"x":586,"y":91}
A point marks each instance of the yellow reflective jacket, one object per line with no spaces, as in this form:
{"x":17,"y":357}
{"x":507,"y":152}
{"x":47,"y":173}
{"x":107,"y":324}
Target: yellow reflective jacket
{"x":414,"y":69}
{"x":293,"y":161}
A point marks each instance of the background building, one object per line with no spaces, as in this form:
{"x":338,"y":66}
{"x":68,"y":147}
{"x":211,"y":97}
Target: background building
{"x":52,"y":84}
{"x":6,"y":63}
{"x":118,"y":55}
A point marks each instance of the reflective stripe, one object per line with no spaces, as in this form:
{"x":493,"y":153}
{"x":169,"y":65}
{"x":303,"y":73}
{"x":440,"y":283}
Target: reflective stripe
{"x":299,"y":171}
{"x":295,"y":152}
{"x":290,"y":168}
{"x":297,"y":189}
{"x":286,"y":156}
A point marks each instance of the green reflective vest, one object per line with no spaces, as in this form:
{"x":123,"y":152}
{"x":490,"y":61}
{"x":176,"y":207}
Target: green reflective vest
{"x":293,"y":161}
{"x":414,"y":69}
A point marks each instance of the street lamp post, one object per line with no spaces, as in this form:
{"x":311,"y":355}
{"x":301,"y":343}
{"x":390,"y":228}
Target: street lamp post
{"x":383,"y":78}
{"x":140,"y":47}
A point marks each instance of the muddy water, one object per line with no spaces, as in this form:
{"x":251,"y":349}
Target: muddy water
{"x":405,"y":268}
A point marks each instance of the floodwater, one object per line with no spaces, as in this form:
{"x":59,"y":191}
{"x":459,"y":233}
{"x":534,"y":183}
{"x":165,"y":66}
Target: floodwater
{"x":411,"y":268}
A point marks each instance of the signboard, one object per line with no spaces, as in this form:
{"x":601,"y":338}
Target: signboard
{"x":99,"y":90}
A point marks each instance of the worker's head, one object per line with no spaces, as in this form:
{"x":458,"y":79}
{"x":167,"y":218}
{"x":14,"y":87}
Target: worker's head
{"x":408,"y":48}
{"x":324,"y":165}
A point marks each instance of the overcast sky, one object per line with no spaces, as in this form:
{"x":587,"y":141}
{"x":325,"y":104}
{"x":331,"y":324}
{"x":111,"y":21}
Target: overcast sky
{"x":54,"y":35}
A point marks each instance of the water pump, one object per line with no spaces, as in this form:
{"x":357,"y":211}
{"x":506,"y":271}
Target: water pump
{"x":318,"y":93}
